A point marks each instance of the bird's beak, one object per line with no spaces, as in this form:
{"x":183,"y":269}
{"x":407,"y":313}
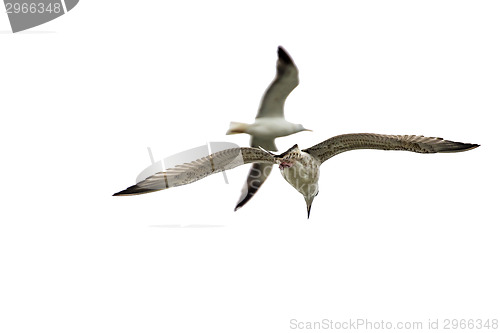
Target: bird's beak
{"x":309,"y":202}
{"x":308,"y":130}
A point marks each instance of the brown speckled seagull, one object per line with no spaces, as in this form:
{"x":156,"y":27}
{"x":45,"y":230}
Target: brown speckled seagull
{"x":300,"y":168}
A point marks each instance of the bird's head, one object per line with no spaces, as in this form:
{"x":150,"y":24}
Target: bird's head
{"x":300,"y":128}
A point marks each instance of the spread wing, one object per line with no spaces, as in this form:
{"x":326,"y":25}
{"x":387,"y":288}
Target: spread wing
{"x":264,"y":142}
{"x":258,"y":172}
{"x":287,"y":78}
{"x":415,"y":143}
{"x":272,"y":105}
{"x":190,"y":172}
{"x":256,"y":177}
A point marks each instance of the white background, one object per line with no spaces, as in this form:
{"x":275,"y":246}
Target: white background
{"x":393,"y":236}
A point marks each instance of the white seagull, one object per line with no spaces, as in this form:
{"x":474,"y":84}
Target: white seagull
{"x":300,"y":168}
{"x":270,"y":123}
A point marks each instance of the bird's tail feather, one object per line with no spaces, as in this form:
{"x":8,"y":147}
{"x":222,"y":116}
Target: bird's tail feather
{"x":237,"y":128}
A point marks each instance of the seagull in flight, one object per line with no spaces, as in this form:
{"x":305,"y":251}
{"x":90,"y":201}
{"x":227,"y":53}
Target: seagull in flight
{"x":270,"y":123}
{"x":300,"y":168}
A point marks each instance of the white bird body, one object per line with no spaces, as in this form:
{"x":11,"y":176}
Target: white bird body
{"x":269,"y":128}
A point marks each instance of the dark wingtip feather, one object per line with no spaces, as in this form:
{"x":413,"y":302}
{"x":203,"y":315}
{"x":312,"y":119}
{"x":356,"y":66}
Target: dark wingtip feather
{"x":451,"y":147}
{"x":134,"y":190}
{"x":242,"y":203}
{"x":471,"y":146}
{"x":256,"y":177}
{"x":284,"y":56}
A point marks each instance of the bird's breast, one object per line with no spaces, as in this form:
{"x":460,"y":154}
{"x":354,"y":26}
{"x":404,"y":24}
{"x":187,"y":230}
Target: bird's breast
{"x":303,"y":175}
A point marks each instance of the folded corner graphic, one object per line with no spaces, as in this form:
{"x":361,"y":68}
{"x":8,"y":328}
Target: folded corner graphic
{"x":26,"y":14}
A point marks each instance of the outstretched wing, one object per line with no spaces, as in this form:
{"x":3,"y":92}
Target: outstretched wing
{"x":264,"y":142}
{"x":287,"y":78}
{"x":271,"y":105}
{"x":256,"y":177}
{"x":415,"y":143}
{"x":190,"y":172}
